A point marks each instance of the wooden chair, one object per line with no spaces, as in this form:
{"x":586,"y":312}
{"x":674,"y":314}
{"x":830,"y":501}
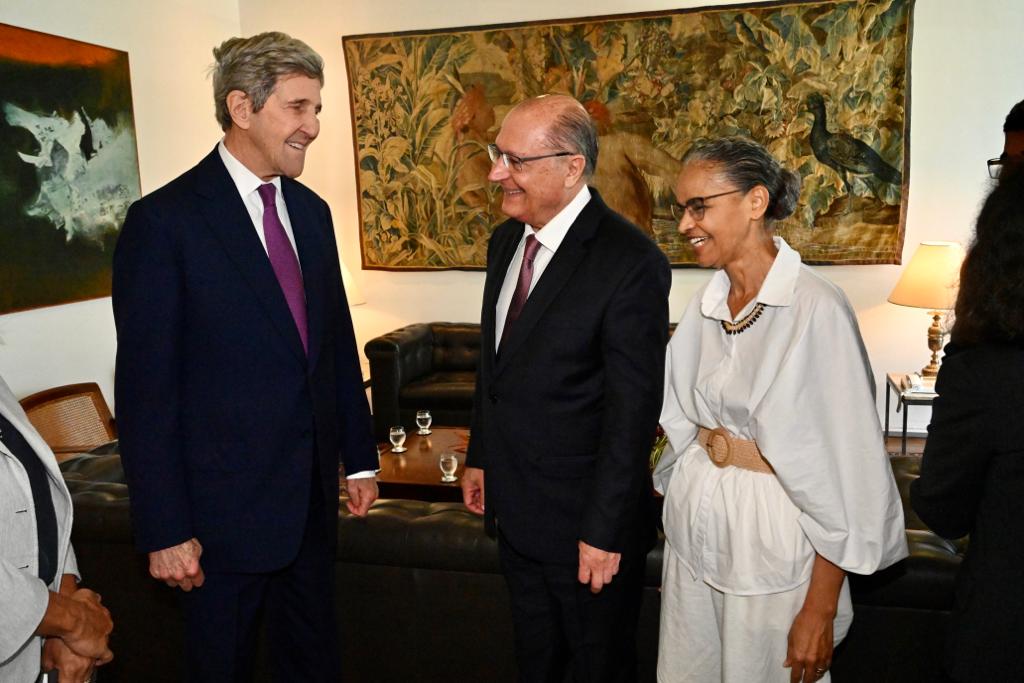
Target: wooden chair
{"x":72,"y":419}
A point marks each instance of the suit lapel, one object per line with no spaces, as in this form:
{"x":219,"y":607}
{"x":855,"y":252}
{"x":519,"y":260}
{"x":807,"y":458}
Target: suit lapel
{"x":230,"y":222}
{"x":571,"y":252}
{"x":504,"y":250}
{"x":311,"y":250}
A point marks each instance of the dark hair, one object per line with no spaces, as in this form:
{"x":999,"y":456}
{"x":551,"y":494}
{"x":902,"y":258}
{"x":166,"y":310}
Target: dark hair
{"x":1015,"y":119}
{"x":253,"y":66}
{"x":990,"y":304}
{"x":748,"y":164}
{"x":573,"y":130}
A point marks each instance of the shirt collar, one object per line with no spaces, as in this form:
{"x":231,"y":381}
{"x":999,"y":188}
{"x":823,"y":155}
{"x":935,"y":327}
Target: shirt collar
{"x":558,"y":227}
{"x":245,"y":180}
{"x":776,"y":290}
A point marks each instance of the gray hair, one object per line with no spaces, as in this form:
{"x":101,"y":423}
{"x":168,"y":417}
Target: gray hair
{"x":747,"y":164}
{"x":573,"y":130}
{"x":253,"y":66}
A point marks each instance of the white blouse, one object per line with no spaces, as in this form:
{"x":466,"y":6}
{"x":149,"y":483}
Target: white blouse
{"x":799,"y":383}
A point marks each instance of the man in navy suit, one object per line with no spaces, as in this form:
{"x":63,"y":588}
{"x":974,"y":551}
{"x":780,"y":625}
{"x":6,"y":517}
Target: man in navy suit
{"x":569,"y":390}
{"x":238,"y":384}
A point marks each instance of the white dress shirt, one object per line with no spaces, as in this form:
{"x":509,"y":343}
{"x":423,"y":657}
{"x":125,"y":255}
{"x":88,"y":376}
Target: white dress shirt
{"x":248,"y":184}
{"x":550,"y":237}
{"x":798,"y":382}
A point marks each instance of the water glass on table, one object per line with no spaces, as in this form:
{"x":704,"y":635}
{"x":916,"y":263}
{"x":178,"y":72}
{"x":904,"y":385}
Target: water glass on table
{"x":449,"y":463}
{"x":423,"y":420}
{"x":397,"y":437}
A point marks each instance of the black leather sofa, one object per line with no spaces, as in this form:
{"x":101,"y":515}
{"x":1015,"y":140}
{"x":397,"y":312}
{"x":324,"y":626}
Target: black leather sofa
{"x":423,"y":366}
{"x":420,"y":596}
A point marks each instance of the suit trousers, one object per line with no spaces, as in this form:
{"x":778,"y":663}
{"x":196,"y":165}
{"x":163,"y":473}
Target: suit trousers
{"x":295,"y":606}
{"x":563,"y":631}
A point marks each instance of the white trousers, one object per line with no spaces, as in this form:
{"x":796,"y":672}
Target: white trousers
{"x":708,"y":636}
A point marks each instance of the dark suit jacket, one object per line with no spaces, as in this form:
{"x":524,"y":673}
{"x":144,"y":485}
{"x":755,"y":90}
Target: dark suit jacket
{"x":564,"y":418}
{"x":221,"y":415}
{"x":972,"y":482}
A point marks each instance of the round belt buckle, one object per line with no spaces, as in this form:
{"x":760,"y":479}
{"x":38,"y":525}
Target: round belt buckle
{"x":720,"y":446}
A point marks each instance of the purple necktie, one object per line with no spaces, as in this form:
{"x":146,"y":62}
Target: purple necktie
{"x":283,"y":261}
{"x":522,"y":286}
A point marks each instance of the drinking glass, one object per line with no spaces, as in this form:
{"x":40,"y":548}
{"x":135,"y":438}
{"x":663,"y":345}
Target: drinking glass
{"x":397,"y":436}
{"x":449,"y":463}
{"x":423,"y":420}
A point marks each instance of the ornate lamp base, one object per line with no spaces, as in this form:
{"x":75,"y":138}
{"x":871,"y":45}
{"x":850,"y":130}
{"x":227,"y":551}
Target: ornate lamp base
{"x":934,"y":345}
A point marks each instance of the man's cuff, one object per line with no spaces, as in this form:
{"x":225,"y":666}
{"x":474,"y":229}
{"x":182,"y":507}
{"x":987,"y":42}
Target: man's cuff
{"x":365,"y":474}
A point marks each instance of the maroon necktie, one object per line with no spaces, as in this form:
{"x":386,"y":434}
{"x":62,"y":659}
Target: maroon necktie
{"x":283,"y":261}
{"x":522,"y":286}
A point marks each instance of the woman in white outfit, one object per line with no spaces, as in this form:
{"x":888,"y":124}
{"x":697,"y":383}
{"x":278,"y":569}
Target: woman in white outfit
{"x":775,"y":479}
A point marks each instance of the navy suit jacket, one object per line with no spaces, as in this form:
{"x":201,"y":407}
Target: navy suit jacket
{"x":222,"y":417}
{"x":565,"y":416}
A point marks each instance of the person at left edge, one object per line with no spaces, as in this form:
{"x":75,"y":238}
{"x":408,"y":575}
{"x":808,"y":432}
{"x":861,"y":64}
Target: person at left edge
{"x":46,"y":620}
{"x":238,"y":386}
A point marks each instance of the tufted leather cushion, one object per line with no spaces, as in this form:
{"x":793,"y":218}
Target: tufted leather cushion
{"x":439,"y":390}
{"x":423,"y":366}
{"x":456,"y":347}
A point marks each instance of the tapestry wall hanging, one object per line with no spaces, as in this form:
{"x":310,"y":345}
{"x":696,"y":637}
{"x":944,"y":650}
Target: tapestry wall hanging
{"x":68,"y":167}
{"x":824,"y":85}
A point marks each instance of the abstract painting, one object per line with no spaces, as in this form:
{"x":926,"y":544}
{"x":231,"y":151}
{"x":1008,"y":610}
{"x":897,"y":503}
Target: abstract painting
{"x":68,"y":167}
{"x":824,"y":85}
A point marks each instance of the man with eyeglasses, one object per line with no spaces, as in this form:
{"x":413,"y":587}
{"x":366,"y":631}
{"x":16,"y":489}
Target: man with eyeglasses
{"x":569,"y":388}
{"x":1013,"y":145}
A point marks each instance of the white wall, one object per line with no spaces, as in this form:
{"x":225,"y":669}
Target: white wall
{"x":965,"y":76}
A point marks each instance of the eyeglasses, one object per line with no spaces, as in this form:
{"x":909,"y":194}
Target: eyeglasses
{"x":696,"y":205}
{"x":995,"y":167}
{"x":515,"y":163}
{"x":1000,"y":165}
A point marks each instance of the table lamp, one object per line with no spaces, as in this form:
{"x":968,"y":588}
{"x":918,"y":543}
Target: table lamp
{"x":930,"y":281}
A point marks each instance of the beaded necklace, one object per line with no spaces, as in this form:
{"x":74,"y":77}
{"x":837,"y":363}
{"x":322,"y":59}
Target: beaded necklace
{"x":745,"y":323}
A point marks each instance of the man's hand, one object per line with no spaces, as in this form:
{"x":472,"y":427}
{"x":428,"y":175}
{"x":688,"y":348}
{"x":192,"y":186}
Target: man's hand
{"x":597,"y":567}
{"x":73,"y":668}
{"x":89,"y":626}
{"x":473,"y":489}
{"x":178,"y":566}
{"x":362,"y":491}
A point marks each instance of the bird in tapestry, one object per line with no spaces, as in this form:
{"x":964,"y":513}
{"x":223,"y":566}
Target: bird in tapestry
{"x":844,"y":153}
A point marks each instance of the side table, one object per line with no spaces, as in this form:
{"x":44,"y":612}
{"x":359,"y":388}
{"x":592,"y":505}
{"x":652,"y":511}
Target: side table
{"x":895,"y":382}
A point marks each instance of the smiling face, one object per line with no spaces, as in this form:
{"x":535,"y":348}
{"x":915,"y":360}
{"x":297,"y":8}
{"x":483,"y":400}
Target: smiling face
{"x":732,"y":225}
{"x":543,"y":187}
{"x":272,"y":141}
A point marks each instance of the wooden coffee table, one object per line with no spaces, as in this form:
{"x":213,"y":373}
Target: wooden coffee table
{"x":415,"y":474}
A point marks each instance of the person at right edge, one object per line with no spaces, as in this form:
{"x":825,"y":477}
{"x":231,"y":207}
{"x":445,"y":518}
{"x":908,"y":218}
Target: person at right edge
{"x":972,"y":471}
{"x":775,"y":478}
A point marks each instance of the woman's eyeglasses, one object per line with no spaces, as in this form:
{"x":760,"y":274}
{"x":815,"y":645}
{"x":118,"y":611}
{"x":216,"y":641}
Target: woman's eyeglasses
{"x":696,"y":206}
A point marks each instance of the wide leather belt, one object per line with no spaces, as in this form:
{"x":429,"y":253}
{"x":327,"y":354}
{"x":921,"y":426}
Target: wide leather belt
{"x":724,"y":450}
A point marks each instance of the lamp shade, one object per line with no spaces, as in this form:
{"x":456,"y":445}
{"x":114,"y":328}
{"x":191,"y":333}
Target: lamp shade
{"x":352,"y":291}
{"x":931,"y":278}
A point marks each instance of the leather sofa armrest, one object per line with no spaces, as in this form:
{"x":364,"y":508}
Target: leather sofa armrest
{"x":396,"y":359}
